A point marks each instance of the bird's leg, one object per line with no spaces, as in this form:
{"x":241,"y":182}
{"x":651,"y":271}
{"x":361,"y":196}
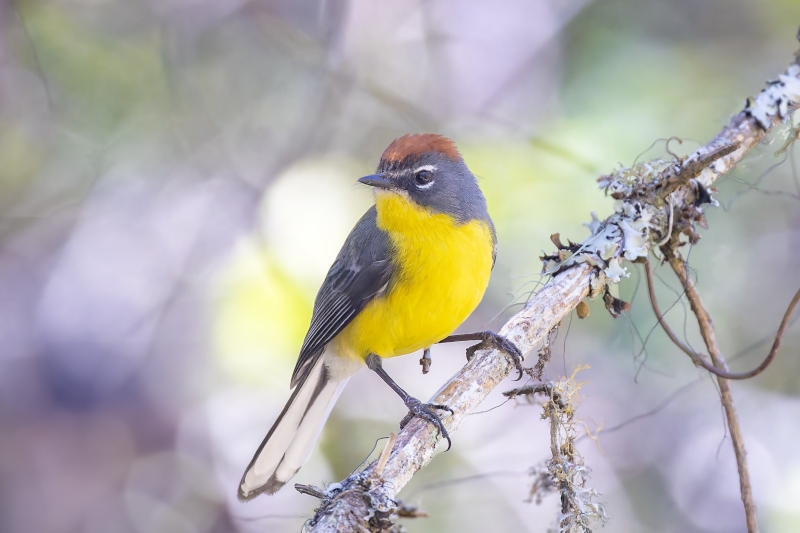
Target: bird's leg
{"x":415,"y":407}
{"x":426,"y":360}
{"x":489,"y":338}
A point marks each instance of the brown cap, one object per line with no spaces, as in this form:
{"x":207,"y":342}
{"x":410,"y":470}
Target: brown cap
{"x":419,"y":144}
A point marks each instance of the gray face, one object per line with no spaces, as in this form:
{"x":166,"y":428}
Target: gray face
{"x":435,"y":181}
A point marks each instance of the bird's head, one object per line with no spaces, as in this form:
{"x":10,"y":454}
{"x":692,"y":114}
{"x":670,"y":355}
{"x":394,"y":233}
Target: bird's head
{"x":428,"y":169}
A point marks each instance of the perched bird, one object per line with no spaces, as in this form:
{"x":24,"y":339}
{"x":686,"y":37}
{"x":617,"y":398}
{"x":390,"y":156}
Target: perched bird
{"x":411,"y":271}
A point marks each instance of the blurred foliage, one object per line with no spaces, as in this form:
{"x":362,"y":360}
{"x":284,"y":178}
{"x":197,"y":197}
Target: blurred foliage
{"x":103,"y":78}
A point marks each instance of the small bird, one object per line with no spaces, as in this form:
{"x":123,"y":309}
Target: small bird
{"x":411,"y":271}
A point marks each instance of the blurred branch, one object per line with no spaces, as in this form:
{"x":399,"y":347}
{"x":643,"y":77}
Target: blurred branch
{"x":35,"y":55}
{"x":670,"y":193}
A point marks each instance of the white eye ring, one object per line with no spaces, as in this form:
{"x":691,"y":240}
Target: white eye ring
{"x":424,"y":168}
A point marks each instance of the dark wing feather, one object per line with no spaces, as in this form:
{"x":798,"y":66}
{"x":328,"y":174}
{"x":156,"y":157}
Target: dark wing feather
{"x":361,"y":270}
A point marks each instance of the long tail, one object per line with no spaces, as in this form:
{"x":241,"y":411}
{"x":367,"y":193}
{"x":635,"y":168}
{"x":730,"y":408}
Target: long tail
{"x":290,"y":440}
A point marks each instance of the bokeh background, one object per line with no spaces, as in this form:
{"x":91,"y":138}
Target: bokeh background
{"x":176,"y":177}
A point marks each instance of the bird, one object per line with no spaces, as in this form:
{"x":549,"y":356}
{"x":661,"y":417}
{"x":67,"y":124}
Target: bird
{"x":413,"y":268}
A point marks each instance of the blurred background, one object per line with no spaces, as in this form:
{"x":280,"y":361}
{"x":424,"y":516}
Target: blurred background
{"x":176,"y":176}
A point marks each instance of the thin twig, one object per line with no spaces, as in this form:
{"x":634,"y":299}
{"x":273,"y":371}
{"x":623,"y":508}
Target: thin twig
{"x":707,"y":332}
{"x":385,"y":453}
{"x":699,"y":359}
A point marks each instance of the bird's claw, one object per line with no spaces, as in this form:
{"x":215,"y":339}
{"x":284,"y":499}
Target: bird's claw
{"x":491,"y":339}
{"x":425,"y":411}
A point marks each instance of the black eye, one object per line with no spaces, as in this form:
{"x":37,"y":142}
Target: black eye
{"x":423,"y":177}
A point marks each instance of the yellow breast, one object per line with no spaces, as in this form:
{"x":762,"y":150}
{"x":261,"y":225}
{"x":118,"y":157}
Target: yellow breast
{"x":443,"y":269}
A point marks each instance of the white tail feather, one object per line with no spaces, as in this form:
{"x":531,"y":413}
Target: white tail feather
{"x":289,"y":443}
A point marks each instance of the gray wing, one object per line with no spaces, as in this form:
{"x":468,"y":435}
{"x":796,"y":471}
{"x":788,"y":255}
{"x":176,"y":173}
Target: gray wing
{"x":361,"y":271}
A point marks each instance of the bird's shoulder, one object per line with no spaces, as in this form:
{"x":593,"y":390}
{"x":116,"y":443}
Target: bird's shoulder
{"x":361,"y":271}
{"x":366,"y":244}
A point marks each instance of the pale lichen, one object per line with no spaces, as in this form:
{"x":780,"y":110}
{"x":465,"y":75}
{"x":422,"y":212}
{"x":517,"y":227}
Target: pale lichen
{"x":625,"y":235}
{"x":644,"y":217}
{"x":778,"y":100}
{"x":565,"y":472}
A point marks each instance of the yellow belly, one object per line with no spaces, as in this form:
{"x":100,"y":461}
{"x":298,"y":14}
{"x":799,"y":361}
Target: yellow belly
{"x":443,"y":271}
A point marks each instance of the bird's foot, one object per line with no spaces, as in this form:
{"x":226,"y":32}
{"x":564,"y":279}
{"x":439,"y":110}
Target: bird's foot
{"x":493,"y":340}
{"x":425,"y":411}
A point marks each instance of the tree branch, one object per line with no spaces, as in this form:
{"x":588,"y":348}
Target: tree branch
{"x":658,"y":197}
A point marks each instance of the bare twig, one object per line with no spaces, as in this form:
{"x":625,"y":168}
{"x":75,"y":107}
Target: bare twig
{"x":707,"y":332}
{"x":541,"y":388}
{"x":699,"y":359}
{"x":310,"y":490}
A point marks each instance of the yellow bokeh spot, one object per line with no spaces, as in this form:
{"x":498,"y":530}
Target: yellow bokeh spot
{"x":260,"y":317}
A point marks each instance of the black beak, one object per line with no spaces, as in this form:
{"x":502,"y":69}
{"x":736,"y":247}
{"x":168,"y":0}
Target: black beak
{"x":376,"y":180}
